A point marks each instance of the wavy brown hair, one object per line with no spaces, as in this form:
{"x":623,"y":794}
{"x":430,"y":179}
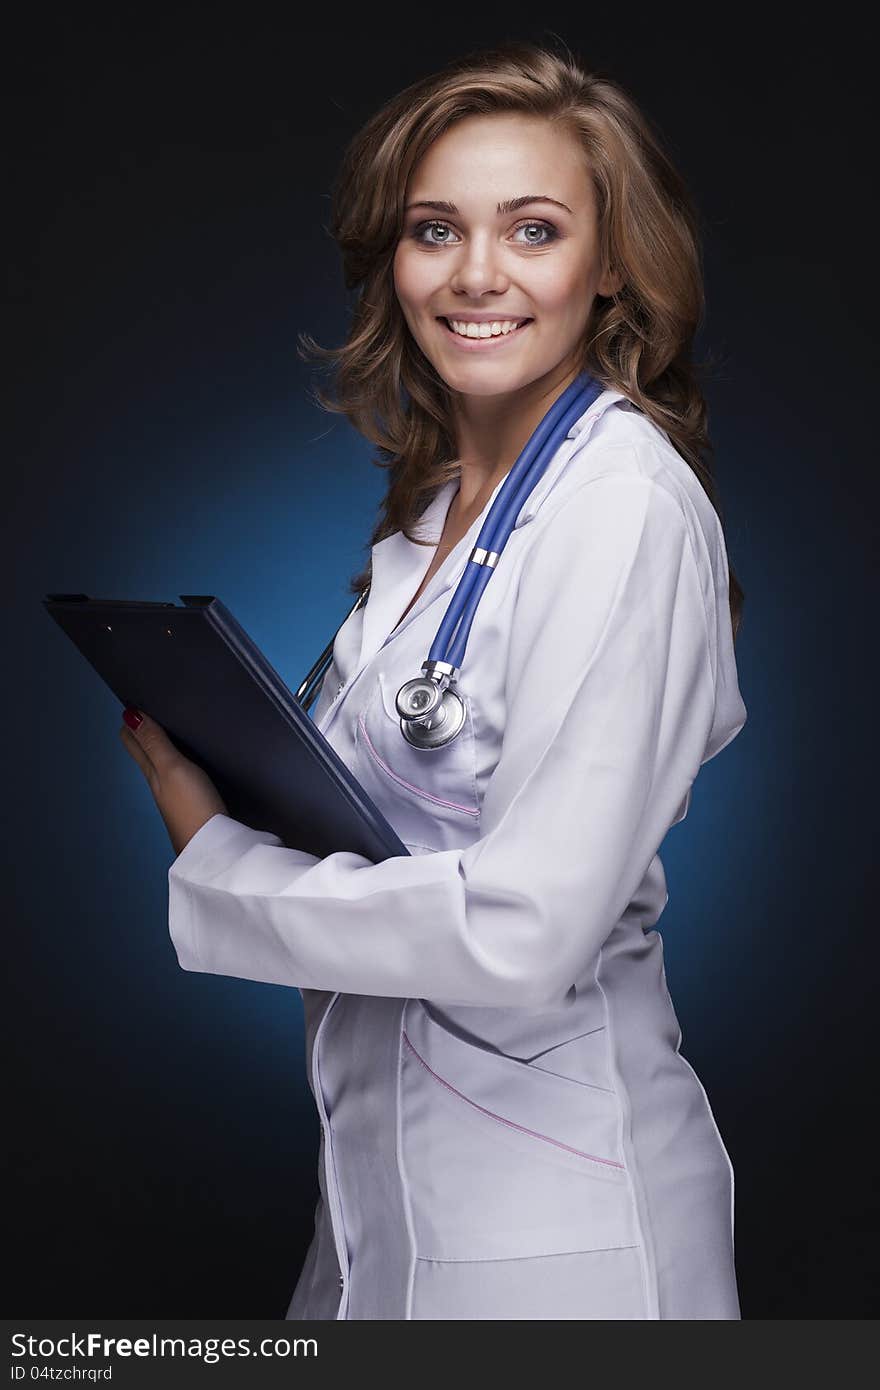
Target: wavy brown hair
{"x":639,"y":340}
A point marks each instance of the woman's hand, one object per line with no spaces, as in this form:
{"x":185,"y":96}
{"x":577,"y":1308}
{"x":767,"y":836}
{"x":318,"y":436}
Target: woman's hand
{"x":184,"y":793}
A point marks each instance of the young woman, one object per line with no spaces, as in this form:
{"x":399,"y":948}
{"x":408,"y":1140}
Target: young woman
{"x":509,"y":1129}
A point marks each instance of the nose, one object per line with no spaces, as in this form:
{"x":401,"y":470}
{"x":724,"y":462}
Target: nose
{"x":478,"y":267}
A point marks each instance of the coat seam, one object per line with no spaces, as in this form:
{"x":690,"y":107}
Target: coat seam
{"x":714,"y":1123}
{"x":647,"y":1257}
{"x":506,"y":1259}
{"x":401,"y":1169}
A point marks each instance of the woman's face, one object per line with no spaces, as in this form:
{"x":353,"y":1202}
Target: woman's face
{"x":467,"y":261}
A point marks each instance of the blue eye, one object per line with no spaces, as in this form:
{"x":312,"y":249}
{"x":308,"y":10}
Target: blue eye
{"x":547,"y":227}
{"x":551,"y":234}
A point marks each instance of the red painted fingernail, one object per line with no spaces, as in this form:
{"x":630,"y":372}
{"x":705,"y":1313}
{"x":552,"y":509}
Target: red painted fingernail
{"x":132,"y":718}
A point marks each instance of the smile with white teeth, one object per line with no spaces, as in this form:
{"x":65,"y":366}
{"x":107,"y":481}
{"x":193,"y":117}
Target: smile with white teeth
{"x":484,"y":330}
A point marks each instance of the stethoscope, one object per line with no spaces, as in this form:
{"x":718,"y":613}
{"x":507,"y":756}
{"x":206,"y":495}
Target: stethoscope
{"x":432,"y":712}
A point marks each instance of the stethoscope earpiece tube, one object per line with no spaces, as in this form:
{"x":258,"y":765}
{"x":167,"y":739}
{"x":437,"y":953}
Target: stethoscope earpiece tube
{"x":309,"y":687}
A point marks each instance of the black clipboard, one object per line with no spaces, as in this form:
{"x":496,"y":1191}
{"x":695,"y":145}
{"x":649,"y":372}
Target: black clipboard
{"x":194,"y":669}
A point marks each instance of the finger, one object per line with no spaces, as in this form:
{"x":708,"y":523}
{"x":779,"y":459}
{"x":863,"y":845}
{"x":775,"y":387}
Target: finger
{"x":153,"y":741}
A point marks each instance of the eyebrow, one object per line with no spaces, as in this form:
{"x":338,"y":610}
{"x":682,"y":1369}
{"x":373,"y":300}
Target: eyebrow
{"x":512,"y":205}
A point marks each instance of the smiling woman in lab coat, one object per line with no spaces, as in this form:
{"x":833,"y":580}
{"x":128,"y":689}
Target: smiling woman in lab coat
{"x":508,"y":1127}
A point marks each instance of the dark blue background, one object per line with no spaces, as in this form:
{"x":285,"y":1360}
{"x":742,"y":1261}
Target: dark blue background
{"x":170,"y":192}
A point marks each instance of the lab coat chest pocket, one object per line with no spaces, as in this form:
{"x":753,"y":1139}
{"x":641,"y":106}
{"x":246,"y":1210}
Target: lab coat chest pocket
{"x":439,"y":782}
{"x":502,"y":1159}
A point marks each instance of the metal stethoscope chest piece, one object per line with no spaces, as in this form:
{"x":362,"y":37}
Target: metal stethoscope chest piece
{"x":432,"y":712}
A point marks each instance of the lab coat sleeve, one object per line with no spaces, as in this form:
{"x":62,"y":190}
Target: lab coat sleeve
{"x":610,"y":700}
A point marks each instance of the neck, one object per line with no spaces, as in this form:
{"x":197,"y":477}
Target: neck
{"x":492,"y":431}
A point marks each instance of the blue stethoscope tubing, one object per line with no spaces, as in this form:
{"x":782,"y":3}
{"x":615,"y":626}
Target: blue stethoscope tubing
{"x":431,"y":710}
{"x":499,"y":524}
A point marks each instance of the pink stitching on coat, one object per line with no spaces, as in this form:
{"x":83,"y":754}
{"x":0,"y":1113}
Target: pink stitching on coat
{"x":609,"y":1162}
{"x":468,"y":810}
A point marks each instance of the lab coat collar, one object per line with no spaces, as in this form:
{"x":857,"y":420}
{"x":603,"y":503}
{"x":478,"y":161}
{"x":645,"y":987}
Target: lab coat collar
{"x":399,"y":565}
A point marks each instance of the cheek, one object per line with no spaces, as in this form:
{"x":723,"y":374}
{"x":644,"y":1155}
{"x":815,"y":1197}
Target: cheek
{"x":412,"y":279}
{"x":562,"y":287}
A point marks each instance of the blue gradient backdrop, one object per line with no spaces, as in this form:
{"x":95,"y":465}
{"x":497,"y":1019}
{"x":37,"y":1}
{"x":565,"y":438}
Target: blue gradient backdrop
{"x":169,"y":243}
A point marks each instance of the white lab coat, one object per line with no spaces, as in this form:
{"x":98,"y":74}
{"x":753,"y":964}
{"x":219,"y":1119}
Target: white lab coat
{"x":508,"y":1128}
